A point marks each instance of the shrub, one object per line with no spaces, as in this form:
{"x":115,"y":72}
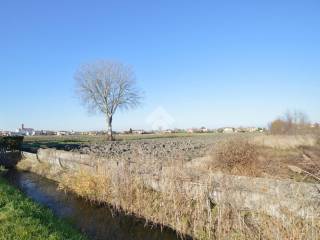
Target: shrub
{"x":278,"y":126}
{"x":236,"y":156}
{"x":11,"y":143}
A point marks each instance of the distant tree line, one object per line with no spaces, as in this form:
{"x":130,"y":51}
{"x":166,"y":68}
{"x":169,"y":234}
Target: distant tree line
{"x":292,"y":122}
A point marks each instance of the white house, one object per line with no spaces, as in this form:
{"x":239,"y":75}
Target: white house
{"x":64,"y":133}
{"x":25,"y":131}
{"x":139,"y":131}
{"x":228,"y":130}
{"x":204,"y":129}
{"x":5,"y":133}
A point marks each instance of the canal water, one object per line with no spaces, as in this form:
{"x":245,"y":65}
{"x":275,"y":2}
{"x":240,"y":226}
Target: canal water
{"x":97,"y":222}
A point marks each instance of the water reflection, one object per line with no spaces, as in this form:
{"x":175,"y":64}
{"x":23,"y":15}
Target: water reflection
{"x":98,"y":222}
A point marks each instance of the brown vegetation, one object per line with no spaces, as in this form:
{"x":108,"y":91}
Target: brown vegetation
{"x":197,"y":216}
{"x":279,"y":155}
{"x":128,"y":192}
{"x":170,"y":201}
{"x":285,"y":142}
{"x":291,"y":123}
{"x":236,"y":156}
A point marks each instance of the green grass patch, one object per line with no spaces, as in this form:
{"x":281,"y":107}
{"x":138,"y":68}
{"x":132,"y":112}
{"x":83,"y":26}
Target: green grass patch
{"x":23,"y":219}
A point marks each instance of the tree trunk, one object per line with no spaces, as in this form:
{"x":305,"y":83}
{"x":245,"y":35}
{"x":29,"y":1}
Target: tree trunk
{"x":109,"y":122}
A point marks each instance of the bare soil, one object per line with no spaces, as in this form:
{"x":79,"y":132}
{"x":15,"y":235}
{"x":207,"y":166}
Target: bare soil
{"x":280,"y":157}
{"x":162,"y":149}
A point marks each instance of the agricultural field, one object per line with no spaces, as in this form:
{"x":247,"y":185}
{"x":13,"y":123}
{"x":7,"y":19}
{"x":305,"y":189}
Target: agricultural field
{"x":273,"y":156}
{"x":160,"y":120}
{"x":170,"y":163}
{"x":76,"y":140}
{"x":155,"y":178}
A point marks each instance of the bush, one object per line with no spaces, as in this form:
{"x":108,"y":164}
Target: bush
{"x":236,"y":156}
{"x":278,"y":126}
{"x":11,"y":143}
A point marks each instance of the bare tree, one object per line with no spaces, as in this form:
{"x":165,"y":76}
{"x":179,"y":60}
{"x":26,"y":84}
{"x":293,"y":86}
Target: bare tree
{"x":106,"y":86}
{"x":291,"y":123}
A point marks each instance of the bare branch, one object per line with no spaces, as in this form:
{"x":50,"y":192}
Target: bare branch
{"x":105,"y":86}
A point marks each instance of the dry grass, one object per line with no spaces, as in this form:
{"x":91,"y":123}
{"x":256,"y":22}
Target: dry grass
{"x":236,"y":156}
{"x":255,"y":157}
{"x":285,"y":141}
{"x":173,"y":198}
{"x":41,"y":169}
{"x":126,"y":191}
{"x":173,"y":206}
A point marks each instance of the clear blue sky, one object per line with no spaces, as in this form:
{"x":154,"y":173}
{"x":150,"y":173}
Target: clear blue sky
{"x":211,"y":63}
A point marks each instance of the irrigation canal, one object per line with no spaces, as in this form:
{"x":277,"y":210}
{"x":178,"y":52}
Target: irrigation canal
{"x":97,"y":222}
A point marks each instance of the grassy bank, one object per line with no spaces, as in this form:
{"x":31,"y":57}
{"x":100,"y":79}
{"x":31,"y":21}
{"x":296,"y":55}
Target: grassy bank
{"x":197,"y":216}
{"x":21,"y":218}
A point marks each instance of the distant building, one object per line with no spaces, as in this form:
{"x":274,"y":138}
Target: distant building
{"x":198,"y":130}
{"x":141,"y":131}
{"x":204,"y":129}
{"x":25,"y":131}
{"x":253,"y":129}
{"x":45,"y":132}
{"x":178,"y":130}
{"x":63,"y":133}
{"x":240,"y":130}
{"x":168,"y":131}
{"x":228,"y":130}
{"x":191,"y":130}
{"x":5,"y":133}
